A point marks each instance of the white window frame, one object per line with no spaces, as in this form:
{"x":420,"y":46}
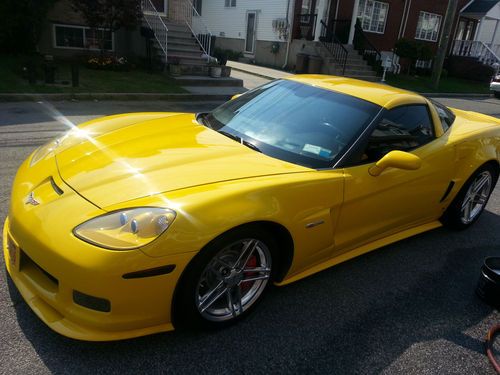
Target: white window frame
{"x":363,"y":5}
{"x":229,"y":3}
{"x":84,"y":37}
{"x":418,"y":33}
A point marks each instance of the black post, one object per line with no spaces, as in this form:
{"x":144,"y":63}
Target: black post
{"x":31,"y":73}
{"x":75,"y":75}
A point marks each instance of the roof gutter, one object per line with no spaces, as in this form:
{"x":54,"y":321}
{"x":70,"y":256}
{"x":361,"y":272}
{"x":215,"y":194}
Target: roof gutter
{"x":290,"y":30}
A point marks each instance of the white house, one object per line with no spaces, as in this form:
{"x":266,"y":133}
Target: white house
{"x":258,"y":28}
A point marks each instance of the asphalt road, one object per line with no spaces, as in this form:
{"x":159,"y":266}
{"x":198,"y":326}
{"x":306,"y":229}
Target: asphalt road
{"x":408,"y":308}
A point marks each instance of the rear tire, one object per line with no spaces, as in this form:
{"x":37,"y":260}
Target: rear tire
{"x":471,"y":200}
{"x":496,"y":94}
{"x":226,"y":280}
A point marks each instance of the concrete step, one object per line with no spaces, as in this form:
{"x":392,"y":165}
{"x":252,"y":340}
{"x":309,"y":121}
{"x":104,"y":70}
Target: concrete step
{"x":180,"y":27}
{"x":192,"y":81}
{"x":193,"y":53}
{"x":187,"y":59}
{"x":180,"y":34}
{"x":175,"y":43}
{"x":194,"y":70}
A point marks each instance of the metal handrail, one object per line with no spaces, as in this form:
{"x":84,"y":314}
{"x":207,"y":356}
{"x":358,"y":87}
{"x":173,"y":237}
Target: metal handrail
{"x":334,"y":46}
{"x":198,"y":28}
{"x":155,"y":23}
{"x":371,"y":52}
{"x":476,"y":49}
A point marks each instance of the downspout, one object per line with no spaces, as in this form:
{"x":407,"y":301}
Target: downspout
{"x":337,"y":9}
{"x":402,"y":19}
{"x":354,"y":18}
{"x":290,"y":30}
{"x":406,"y":19}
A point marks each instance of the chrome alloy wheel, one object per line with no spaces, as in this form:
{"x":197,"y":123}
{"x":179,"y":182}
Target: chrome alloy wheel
{"x":476,"y":197}
{"x":233,"y":280}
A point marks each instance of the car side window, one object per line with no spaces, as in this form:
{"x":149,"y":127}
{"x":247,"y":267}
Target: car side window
{"x":445,"y":115}
{"x":403,"y":128}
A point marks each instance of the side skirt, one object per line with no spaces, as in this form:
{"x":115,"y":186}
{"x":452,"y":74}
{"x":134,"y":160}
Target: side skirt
{"x":361,"y":250}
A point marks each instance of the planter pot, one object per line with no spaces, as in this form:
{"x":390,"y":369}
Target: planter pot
{"x":225,"y":71}
{"x":488,"y":287}
{"x":175,"y":70}
{"x":215,"y":71}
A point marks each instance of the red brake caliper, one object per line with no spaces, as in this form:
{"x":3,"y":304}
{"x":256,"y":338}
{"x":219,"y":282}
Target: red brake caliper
{"x":246,"y":285}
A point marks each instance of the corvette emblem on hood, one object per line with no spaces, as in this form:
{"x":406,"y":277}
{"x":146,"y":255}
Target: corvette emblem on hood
{"x":31,"y":199}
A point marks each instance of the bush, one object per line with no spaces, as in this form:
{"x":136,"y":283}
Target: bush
{"x":469,"y":68}
{"x":413,"y":50}
{"x":108,"y":63}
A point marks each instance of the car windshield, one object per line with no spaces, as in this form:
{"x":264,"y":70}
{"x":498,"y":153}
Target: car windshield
{"x":295,"y":122}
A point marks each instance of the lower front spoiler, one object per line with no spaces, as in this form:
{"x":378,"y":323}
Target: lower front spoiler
{"x":60,"y":324}
{"x":60,"y":320}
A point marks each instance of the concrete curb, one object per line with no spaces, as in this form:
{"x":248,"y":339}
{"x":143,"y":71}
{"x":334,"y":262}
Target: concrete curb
{"x":113,"y":96}
{"x":454,"y":95}
{"x":253,"y":73}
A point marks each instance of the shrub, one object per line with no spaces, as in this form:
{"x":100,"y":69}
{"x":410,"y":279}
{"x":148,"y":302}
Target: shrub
{"x":108,"y":63}
{"x":469,"y":68}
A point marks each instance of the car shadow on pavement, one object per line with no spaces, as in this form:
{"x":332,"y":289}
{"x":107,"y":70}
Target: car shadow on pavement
{"x":406,"y":308}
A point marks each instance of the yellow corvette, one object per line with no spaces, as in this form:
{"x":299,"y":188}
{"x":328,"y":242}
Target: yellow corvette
{"x":133,"y":224}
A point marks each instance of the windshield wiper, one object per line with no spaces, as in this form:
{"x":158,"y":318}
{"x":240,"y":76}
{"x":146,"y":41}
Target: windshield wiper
{"x":202,"y":118}
{"x":240,"y":140}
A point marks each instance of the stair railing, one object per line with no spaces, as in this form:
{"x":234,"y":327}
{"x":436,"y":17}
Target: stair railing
{"x":476,"y":49}
{"x":363,"y":45}
{"x":333,"y":45}
{"x":155,"y":23}
{"x":187,"y":13}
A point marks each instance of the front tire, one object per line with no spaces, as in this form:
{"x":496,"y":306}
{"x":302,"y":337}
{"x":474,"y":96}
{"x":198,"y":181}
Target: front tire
{"x":471,"y":199}
{"x":496,"y":94}
{"x":225,"y":280}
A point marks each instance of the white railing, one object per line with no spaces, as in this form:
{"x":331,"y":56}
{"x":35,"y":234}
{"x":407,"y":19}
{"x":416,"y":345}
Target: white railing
{"x":477,"y":49}
{"x":155,"y":23}
{"x":185,"y":12}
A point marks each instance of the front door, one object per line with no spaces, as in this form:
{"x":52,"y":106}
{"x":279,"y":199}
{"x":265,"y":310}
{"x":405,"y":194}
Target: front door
{"x":250,"y":36}
{"x":397,"y":199}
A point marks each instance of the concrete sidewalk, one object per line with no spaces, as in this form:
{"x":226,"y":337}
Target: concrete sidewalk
{"x":259,"y":71}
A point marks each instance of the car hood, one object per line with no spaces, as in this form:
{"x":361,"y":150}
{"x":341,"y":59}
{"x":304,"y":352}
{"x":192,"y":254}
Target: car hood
{"x":113,"y":161}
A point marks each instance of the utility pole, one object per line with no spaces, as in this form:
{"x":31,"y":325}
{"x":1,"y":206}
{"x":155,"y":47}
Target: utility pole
{"x":443,"y":42}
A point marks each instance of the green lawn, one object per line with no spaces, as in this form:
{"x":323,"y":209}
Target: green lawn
{"x":91,"y":81}
{"x":446,"y":84}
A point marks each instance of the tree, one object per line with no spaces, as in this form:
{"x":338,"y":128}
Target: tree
{"x":21,"y":22}
{"x":108,"y":15}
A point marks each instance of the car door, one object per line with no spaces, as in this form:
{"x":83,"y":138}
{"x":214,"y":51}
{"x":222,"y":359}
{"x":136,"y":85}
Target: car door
{"x":377,"y":206}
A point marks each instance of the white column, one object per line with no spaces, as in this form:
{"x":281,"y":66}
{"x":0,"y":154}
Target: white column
{"x":321,"y":16}
{"x":494,"y":34}
{"x":478,"y":30}
{"x":353,"y":20}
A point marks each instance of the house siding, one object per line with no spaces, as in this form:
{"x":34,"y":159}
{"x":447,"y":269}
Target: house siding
{"x":229,"y":25}
{"x":231,"y":22}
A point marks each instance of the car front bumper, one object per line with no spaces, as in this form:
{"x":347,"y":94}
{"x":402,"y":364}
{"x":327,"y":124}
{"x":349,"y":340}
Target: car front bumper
{"x":53,"y":270}
{"x":495,"y":86}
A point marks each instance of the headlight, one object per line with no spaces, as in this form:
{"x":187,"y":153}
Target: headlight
{"x":43,"y":151}
{"x":126,"y":229}
{"x":69,"y":138}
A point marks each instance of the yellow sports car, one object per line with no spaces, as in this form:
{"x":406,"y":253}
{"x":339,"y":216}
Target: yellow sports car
{"x":133,"y":224}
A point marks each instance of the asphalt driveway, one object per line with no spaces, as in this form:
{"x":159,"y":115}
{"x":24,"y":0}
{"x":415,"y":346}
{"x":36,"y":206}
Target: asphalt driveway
{"x":408,"y":308}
